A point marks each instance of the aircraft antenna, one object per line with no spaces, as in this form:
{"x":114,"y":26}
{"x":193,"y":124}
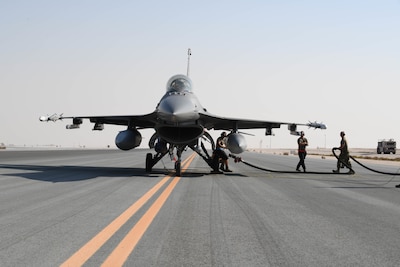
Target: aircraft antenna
{"x":188,"y":62}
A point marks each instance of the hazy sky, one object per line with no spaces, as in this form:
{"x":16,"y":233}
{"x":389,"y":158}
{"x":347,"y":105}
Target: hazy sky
{"x":293,"y":61}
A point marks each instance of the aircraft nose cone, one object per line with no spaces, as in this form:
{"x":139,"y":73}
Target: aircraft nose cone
{"x":176,"y":108}
{"x":43,"y":118}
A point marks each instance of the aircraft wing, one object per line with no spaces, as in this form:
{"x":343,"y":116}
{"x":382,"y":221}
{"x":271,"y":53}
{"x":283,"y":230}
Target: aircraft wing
{"x":208,"y":120}
{"x":224,"y":123}
{"x":139,"y":121}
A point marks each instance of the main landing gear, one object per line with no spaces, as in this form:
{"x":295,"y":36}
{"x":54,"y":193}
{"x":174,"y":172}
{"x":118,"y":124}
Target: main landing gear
{"x":162,"y":150}
{"x":151,"y":161}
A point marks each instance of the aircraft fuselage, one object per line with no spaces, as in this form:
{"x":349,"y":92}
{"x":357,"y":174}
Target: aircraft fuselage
{"x":178,"y":112}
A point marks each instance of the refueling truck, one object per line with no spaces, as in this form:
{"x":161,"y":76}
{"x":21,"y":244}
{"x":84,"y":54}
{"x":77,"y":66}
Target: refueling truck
{"x":386,"y":146}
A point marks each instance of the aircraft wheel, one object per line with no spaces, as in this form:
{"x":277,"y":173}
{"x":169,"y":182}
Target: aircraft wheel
{"x":178,"y":168}
{"x":149,"y":162}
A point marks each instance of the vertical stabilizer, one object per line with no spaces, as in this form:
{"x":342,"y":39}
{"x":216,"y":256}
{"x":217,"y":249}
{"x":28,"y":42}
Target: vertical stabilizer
{"x":188,"y":61}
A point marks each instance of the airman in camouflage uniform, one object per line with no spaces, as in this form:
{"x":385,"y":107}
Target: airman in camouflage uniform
{"x":344,"y":157}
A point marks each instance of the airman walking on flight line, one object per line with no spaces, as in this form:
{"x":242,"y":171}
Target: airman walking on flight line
{"x":302,"y":142}
{"x":344,"y":157}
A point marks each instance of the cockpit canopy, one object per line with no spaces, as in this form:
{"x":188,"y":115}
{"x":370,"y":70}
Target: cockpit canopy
{"x":179,"y":83}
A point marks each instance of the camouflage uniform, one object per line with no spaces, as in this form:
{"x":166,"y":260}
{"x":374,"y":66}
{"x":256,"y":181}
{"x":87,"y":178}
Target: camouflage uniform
{"x":344,"y":157}
{"x":302,"y":142}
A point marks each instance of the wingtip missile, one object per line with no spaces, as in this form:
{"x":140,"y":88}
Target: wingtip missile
{"x":55,"y":117}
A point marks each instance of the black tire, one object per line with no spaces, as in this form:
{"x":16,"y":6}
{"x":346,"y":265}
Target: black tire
{"x":149,"y":162}
{"x":178,"y":168}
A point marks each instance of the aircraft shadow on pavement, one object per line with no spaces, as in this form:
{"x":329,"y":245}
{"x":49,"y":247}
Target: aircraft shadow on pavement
{"x":57,"y":174}
{"x":206,"y":171}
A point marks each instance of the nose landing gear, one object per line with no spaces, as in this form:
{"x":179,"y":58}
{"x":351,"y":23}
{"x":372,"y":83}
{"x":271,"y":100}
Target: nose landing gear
{"x":178,"y":168}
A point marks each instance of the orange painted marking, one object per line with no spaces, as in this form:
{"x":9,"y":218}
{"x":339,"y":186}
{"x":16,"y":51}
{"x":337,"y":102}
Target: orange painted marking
{"x":91,"y":247}
{"x":128,"y":244}
{"x":84,"y":253}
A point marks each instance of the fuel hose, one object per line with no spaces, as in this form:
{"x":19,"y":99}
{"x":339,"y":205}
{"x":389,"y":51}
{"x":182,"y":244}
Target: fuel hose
{"x":351,"y":171}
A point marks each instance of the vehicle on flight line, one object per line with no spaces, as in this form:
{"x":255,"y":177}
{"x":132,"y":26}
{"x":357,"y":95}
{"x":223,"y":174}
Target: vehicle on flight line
{"x":179,"y":121}
{"x":386,"y":146}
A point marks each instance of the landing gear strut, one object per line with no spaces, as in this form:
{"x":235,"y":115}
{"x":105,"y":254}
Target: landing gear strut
{"x":212,"y":161}
{"x":178,"y":168}
{"x":179,"y":151}
{"x":151,"y":161}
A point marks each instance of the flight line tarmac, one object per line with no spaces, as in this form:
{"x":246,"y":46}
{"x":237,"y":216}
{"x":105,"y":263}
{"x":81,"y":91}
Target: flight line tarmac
{"x":99,"y":207}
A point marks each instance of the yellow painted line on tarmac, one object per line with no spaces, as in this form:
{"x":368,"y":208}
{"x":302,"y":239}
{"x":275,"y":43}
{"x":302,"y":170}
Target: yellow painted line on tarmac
{"x":128,"y":244}
{"x":91,"y":247}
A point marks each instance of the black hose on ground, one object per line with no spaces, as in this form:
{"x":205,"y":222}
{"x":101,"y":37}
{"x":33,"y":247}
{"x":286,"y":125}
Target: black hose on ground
{"x":351,"y":171}
{"x":239,"y":159}
{"x":366,"y":167}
